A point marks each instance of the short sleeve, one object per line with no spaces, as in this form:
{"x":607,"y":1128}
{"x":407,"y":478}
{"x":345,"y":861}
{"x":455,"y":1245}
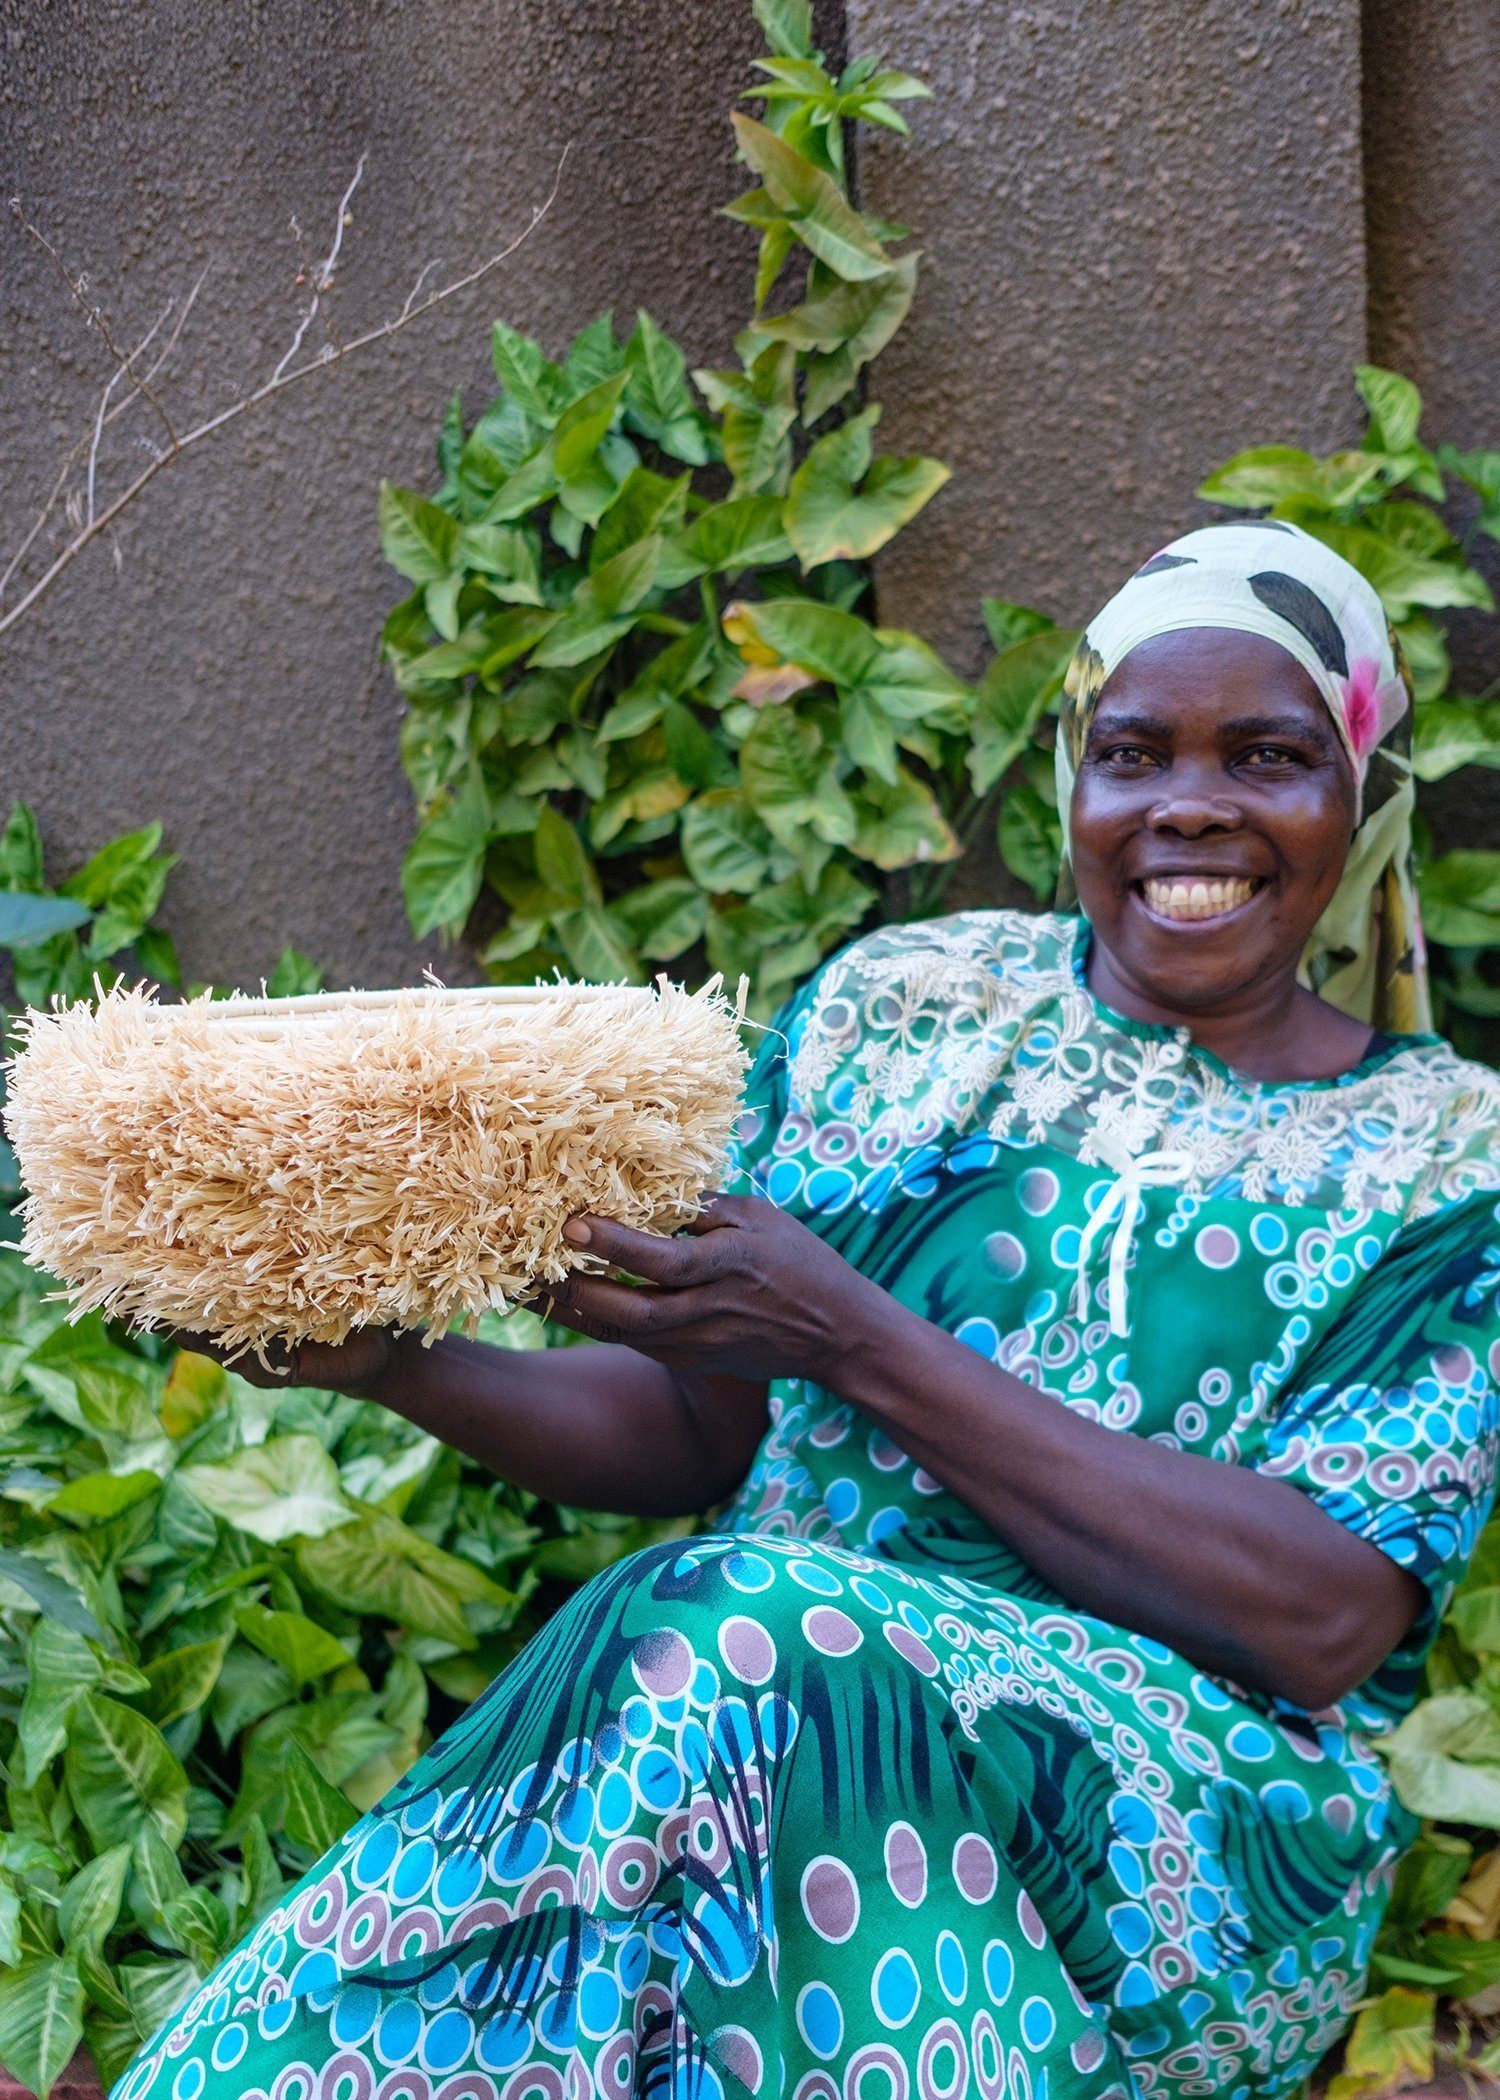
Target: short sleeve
{"x":767,"y":1096}
{"x":1391,"y":1425}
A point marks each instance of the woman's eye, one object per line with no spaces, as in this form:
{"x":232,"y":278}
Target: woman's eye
{"x":1126,"y":755}
{"x":1272,"y":755}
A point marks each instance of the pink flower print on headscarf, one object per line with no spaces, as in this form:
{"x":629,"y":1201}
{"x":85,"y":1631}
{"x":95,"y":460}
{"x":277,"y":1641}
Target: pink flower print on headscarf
{"x":1361,"y":696}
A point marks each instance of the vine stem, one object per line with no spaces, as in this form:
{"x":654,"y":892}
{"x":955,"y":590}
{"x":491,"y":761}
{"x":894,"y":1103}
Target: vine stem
{"x":283,"y":377}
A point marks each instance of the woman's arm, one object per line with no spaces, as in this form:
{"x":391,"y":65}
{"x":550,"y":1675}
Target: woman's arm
{"x":602,"y":1428}
{"x":1243,"y":1575}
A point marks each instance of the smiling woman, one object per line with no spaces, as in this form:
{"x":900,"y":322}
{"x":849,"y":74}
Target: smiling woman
{"x":1103,"y":1375}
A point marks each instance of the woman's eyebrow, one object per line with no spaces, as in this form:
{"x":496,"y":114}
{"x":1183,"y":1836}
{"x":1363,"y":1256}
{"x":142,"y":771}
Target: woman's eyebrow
{"x":1122,"y":722}
{"x":1290,"y":726}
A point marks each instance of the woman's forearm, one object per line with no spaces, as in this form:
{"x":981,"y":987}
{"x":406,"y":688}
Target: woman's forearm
{"x":1243,"y":1575}
{"x":599,"y":1428}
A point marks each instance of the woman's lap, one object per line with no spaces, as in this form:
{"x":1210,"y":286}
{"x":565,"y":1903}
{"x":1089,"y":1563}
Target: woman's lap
{"x":751,"y":1803}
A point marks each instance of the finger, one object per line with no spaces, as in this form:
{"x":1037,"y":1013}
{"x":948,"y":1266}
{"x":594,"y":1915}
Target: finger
{"x":618,"y":1312}
{"x":658,"y":1259}
{"x":720,"y":1209}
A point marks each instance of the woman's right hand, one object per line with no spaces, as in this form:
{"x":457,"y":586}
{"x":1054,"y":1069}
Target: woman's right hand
{"x":354,"y":1366}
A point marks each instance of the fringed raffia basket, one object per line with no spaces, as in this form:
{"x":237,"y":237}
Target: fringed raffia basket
{"x":296,"y":1168}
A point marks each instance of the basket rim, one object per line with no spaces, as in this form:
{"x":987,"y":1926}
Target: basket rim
{"x":264,"y":1013}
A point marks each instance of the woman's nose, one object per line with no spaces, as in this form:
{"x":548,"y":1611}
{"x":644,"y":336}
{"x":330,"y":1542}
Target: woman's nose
{"x":1191,"y":815}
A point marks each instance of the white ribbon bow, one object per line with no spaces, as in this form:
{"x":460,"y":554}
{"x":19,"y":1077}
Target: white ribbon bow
{"x":1121,"y":1206}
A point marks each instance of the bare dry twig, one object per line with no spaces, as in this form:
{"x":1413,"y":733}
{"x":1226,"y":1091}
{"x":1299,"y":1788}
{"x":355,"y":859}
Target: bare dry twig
{"x":92,"y":522}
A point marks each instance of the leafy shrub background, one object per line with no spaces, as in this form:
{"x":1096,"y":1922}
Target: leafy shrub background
{"x":229,"y":1619}
{"x":651,"y":718}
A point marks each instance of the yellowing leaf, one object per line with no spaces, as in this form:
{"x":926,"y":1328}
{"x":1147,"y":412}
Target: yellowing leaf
{"x":195,"y":1386}
{"x":1392,"y":2036}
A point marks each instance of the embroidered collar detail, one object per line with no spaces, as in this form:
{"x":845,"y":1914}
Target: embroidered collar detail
{"x":983,"y":1021}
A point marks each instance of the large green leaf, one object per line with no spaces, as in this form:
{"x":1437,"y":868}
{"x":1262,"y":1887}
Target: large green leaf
{"x":1445,"y":1759}
{"x":60,"y":1667}
{"x":900,"y":824}
{"x":657,"y":395}
{"x":758,"y":411}
{"x":381,"y":1568}
{"x":26,"y":921}
{"x":725,"y":844}
{"x":841,"y":330}
{"x":868,"y":735}
{"x":842,"y":508}
{"x":662,"y":918}
{"x":911,"y":682}
{"x":415,"y":536}
{"x":317,"y":1814}
{"x":744,"y":533}
{"x":286,"y":1488}
{"x":444,"y":866}
{"x":821,"y":215}
{"x":1460,"y":895}
{"x":1395,"y":408}
{"x":100,"y":878}
{"x":1451,"y":733}
{"x":830,"y":644}
{"x":304,"y":1649}
{"x":21,"y":850}
{"x":538,"y":388}
{"x":91,"y":1901}
{"x":1270,"y":475}
{"x":49,"y":1592}
{"x":155,"y":1986}
{"x":95,"y":1497}
{"x":157,"y":1882}
{"x":41,"y":2020}
{"x":121,"y":1774}
{"x":787,"y":26}
{"x":646,"y":503}
{"x":506,"y":556}
{"x":534,"y":481}
{"x":782,"y":765}
{"x":594,"y":947}
{"x":582,"y":428}
{"x":561,"y":862}
{"x":1405,"y":579}
{"x":1030,"y":840}
{"x":1013,"y":695}
{"x":602,"y":607}
{"x":181,"y":1680}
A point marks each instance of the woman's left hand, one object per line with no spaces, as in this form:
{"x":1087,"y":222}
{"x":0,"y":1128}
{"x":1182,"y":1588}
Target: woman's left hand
{"x":745,"y":1291}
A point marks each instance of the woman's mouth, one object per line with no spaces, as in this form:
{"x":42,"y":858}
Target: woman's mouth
{"x":1184,"y":899}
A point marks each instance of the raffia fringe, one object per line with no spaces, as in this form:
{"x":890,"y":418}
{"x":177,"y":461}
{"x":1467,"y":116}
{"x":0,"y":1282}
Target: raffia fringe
{"x":297,"y":1168}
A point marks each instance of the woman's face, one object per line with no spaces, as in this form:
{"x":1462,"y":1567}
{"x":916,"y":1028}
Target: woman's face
{"x":1212,"y":813}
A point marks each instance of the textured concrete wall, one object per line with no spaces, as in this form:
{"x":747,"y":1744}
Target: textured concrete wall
{"x":1145,"y":223}
{"x":1432,"y":148}
{"x":220,"y":673}
{"x":1144,"y":229}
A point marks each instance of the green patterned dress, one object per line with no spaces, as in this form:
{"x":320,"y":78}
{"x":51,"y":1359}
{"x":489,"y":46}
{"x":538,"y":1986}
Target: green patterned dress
{"x":839,"y":1802}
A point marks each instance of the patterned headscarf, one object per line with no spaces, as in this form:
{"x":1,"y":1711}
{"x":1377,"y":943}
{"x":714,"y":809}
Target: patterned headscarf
{"x":1261,"y":577}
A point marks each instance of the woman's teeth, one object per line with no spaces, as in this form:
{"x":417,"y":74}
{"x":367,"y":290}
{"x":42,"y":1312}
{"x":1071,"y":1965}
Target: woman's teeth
{"x":1190,"y":898}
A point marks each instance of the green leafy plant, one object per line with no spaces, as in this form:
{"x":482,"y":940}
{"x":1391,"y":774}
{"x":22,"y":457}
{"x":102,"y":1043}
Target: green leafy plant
{"x":229,"y":1620}
{"x":98,"y":927}
{"x":1381,"y":505}
{"x":647,"y":720}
